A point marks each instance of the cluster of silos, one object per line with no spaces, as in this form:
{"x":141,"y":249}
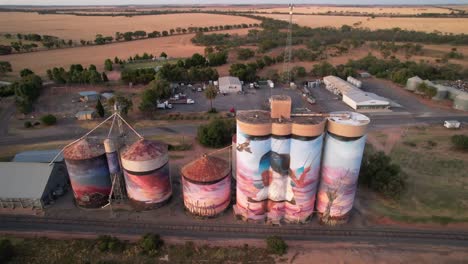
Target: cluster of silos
{"x":146,"y":170}
{"x":206,"y":186}
{"x":344,"y":146}
{"x":89,"y":173}
{"x":354,"y":81}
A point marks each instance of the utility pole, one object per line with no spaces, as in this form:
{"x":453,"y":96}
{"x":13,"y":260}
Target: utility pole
{"x":288,"y":48}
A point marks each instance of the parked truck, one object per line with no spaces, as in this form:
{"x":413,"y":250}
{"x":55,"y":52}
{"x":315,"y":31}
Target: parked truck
{"x":164,"y":105}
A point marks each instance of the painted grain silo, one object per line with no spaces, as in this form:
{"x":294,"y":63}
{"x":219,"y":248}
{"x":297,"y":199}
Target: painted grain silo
{"x":89,"y":173}
{"x":344,"y":146}
{"x":206,"y":185}
{"x":461,"y":102}
{"x":146,"y":171}
{"x":442,"y":92}
{"x":233,"y":156}
{"x":279,"y":186}
{"x":413,"y":83}
{"x":111,"y":147}
{"x":253,"y":164}
{"x":305,"y":151}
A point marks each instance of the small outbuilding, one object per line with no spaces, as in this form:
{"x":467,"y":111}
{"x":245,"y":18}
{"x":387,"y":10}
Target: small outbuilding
{"x":89,"y":96}
{"x":86,"y":115}
{"x":229,"y":84}
{"x":365,"y":101}
{"x":31,"y":184}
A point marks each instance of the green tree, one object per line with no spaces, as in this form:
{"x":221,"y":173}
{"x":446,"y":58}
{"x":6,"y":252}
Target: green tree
{"x":6,"y":250}
{"x":217,"y":133}
{"x":5,"y":67}
{"x":25,"y":72}
{"x":157,"y":90}
{"x":150,"y":244}
{"x":125,"y":104}
{"x":49,"y":120}
{"x":108,"y":65}
{"x":27,"y":90}
{"x":210,"y":93}
{"x":460,"y":142}
{"x":276,"y":245}
{"x":104,"y":77}
{"x":100,"y":109}
{"x":323,"y":69}
{"x":245,"y":54}
{"x":163,"y":55}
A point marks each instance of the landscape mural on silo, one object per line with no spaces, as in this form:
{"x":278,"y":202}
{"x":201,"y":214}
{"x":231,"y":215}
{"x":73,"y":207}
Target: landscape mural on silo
{"x":340,"y":171}
{"x":90,"y":181}
{"x":253,"y":161}
{"x":207,"y":199}
{"x":113,"y":162}
{"x":303,"y":177}
{"x":149,"y":187}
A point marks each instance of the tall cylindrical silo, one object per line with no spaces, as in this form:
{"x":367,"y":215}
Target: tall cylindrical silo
{"x":233,"y":156}
{"x":305,"y":152}
{"x":89,"y":173}
{"x":253,"y":164}
{"x":147,"y":176}
{"x":344,"y":146}
{"x":206,"y":185}
{"x":278,"y":176}
{"x":111,"y":147}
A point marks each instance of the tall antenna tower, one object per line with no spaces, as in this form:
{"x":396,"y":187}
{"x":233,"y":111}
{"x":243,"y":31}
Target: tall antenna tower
{"x":288,"y":48}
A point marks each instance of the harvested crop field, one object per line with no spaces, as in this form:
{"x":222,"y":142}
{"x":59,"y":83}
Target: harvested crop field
{"x":394,"y":10}
{"x":175,"y":46}
{"x":86,"y":27}
{"x":445,"y":25}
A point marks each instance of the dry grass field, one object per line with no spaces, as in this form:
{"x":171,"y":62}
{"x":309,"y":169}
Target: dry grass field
{"x":86,"y":27}
{"x":445,"y":25}
{"x":175,"y":46}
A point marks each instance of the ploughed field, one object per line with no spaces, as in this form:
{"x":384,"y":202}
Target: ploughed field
{"x":86,"y":27}
{"x":444,"y":25}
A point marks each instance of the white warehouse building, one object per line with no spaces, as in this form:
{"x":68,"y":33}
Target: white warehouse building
{"x":353,"y":96}
{"x":229,"y":84}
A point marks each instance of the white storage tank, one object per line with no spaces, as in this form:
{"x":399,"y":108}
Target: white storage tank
{"x":413,"y":83}
{"x":354,"y":81}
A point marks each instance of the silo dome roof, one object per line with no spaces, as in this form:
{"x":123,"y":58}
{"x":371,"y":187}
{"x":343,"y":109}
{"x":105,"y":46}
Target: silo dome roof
{"x":83,"y":149}
{"x":145,"y":150}
{"x":206,"y":169}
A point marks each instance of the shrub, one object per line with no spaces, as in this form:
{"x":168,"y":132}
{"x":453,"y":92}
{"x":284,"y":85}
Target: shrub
{"x":6,"y":250}
{"x":109,"y":243}
{"x":37,"y":123}
{"x":150,"y":243}
{"x":28,"y":124}
{"x":460,"y":142}
{"x":49,"y":120}
{"x":276,"y":245}
{"x":217,"y":133}
{"x":381,"y":175}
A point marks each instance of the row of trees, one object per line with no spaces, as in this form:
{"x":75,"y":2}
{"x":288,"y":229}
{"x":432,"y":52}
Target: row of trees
{"x":19,"y":46}
{"x":26,"y":90}
{"x":77,"y":74}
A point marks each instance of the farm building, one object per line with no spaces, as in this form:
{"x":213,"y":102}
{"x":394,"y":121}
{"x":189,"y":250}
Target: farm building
{"x":89,"y":96}
{"x":338,"y":86}
{"x":86,"y":115}
{"x":41,"y":156}
{"x":229,"y":84}
{"x":365,"y":101}
{"x":30,"y":184}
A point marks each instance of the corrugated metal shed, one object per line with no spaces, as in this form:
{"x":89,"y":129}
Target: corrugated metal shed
{"x":228,"y":84}
{"x":42,"y":156}
{"x":23,"y":179}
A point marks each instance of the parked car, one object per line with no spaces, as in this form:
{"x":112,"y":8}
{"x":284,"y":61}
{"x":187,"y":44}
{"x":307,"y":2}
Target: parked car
{"x":164,"y":105}
{"x":190,"y":101}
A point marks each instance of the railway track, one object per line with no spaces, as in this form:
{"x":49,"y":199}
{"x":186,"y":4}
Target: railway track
{"x":241,"y":230}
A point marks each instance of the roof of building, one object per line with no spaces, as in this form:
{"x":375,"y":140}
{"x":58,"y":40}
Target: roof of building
{"x":42,"y":156}
{"x":107,"y":96}
{"x":415,"y":78}
{"x":206,"y":169}
{"x":23,"y":179}
{"x":228,"y":80}
{"x":340,"y":84}
{"x":88,"y":93}
{"x":3,"y":83}
{"x":85,"y":112}
{"x":364,"y":98}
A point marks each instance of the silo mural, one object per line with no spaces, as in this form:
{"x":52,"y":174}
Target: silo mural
{"x":306,"y":150}
{"x":112,"y":156}
{"x":342,"y":155}
{"x":146,"y":171}
{"x":89,"y":173}
{"x":206,"y":186}
{"x":253,"y":164}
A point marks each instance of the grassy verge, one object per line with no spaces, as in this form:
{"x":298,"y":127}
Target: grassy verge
{"x":437,"y":179}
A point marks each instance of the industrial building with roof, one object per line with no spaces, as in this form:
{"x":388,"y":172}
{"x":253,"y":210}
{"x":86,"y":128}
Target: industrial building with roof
{"x":353,"y":96}
{"x":229,"y":84}
{"x":31,"y":184}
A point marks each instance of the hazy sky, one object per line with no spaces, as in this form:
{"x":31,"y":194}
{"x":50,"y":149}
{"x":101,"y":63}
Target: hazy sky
{"x":197,"y":2}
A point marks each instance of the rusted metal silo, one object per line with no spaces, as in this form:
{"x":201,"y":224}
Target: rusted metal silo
{"x":147,"y":176}
{"x":206,"y":186}
{"x":89,"y":173}
{"x":305,"y":152}
{"x":342,"y":155}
